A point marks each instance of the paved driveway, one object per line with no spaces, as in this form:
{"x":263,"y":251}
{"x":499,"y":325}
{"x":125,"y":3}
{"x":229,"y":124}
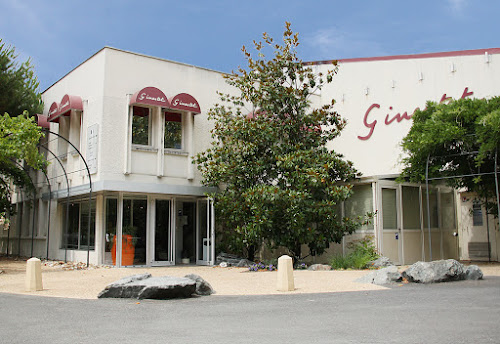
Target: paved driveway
{"x":457,"y":312}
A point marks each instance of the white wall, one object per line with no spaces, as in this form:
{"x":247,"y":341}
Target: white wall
{"x":396,"y":83}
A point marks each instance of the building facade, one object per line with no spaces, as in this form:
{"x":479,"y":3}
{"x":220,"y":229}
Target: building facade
{"x":129,"y":125}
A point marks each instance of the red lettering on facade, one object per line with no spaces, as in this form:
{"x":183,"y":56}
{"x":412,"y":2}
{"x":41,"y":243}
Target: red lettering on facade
{"x":369,"y":125}
{"x":399,"y":117}
{"x":466,"y":93}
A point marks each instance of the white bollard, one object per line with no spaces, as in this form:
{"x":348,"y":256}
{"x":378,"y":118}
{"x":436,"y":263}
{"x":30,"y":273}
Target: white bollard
{"x":34,"y":275}
{"x":285,"y":274}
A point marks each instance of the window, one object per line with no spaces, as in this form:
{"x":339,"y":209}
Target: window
{"x":173,"y":130}
{"x":76,"y":235}
{"x":411,"y":207}
{"x":141,"y":128}
{"x":360,"y":203}
{"x":109,"y":237}
{"x":433,"y":206}
{"x":477,"y":214}
{"x":134,"y":231}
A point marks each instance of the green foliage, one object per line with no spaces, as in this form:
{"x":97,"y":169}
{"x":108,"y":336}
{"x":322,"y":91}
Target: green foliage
{"x":447,"y":133}
{"x":19,"y":137}
{"x":361,"y":253}
{"x":18,"y":85}
{"x":278,"y":182}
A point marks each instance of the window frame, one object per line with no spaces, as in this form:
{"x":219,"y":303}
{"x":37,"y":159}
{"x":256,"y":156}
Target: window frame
{"x":80,"y":246}
{"x":150,"y":128}
{"x":164,"y":128}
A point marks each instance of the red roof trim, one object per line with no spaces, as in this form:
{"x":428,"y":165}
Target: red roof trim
{"x":150,"y":96}
{"x":413,"y":56}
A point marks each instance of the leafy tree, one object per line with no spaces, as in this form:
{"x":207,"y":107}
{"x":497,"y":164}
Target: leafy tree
{"x":278,"y":182}
{"x":19,"y":137}
{"x":18,"y":85}
{"x":460,"y":138}
{"x":19,"y":134}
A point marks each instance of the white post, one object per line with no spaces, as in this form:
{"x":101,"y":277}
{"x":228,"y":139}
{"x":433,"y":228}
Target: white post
{"x":160,"y":123}
{"x":34,"y":275}
{"x":285,"y":274}
{"x":189,"y":144}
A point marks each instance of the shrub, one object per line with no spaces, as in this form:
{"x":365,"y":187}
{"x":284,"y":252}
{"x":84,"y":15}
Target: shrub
{"x":362,"y":252}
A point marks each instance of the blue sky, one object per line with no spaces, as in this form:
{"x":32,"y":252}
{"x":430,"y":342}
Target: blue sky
{"x":60,"y":34}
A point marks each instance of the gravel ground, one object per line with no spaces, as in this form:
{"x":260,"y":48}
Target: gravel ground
{"x":71,"y":281}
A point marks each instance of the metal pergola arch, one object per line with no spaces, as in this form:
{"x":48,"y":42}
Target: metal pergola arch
{"x":67,"y":200}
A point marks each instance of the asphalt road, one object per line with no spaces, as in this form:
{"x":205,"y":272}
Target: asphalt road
{"x":456,"y":312}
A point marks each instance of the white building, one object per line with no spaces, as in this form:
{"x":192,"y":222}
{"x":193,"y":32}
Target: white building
{"x":138,"y":120}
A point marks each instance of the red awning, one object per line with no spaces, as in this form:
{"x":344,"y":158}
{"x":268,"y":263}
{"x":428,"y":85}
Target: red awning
{"x":42,"y":121}
{"x":67,"y":104}
{"x":185,"y":102}
{"x":150,"y":96}
{"x":53,"y":112}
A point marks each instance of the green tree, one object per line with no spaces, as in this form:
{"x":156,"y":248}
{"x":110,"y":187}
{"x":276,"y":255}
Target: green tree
{"x":19,"y":134}
{"x":278,"y":182}
{"x":460,"y":138}
{"x":19,"y":137}
{"x":18,"y":85}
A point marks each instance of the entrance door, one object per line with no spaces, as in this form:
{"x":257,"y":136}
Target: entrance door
{"x":185,"y":231}
{"x":164,"y":236}
{"x":390,"y":224}
{"x":205,"y":236}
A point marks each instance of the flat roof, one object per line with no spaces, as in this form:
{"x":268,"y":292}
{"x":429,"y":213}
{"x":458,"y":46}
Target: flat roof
{"x":414,"y":56}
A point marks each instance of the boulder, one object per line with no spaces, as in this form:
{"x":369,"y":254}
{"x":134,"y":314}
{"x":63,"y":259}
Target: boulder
{"x":117,"y":289}
{"x":380,"y":262}
{"x":244,"y":263}
{"x":146,"y":287}
{"x":473,"y":272}
{"x":319,"y":267}
{"x":166,"y":287}
{"x":385,"y":275}
{"x":434,"y":272}
{"x":203,"y":288}
{"x":232,"y":260}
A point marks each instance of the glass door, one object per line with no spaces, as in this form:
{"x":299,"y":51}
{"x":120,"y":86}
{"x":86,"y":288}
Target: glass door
{"x":163,"y":237}
{"x":205,"y":236}
{"x":391,"y":227}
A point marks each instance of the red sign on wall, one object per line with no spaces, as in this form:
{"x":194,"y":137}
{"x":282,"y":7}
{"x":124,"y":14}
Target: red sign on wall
{"x":398,"y":117}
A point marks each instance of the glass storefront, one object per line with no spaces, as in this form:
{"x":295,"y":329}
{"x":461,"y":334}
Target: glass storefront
{"x":158,"y":231}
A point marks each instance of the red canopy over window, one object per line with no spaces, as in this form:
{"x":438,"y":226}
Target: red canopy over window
{"x":150,"y":96}
{"x":173,"y":117}
{"x":67,"y":104}
{"x":186,"y":102}
{"x":42,"y":121}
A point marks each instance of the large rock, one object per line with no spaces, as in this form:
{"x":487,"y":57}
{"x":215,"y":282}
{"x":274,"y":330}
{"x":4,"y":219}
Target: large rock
{"x":146,"y":287}
{"x":436,"y":271}
{"x":232,"y":260}
{"x":385,"y":275}
{"x":203,"y":288}
{"x":473,"y":272}
{"x":319,"y":267}
{"x":380,"y":262}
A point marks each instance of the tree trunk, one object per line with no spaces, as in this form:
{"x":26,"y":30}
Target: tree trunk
{"x":251,"y":252}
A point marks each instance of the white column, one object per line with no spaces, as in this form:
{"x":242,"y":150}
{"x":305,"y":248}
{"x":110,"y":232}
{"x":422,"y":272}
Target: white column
{"x":189,"y":145}
{"x":159,"y":118}
{"x":128,"y":137}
